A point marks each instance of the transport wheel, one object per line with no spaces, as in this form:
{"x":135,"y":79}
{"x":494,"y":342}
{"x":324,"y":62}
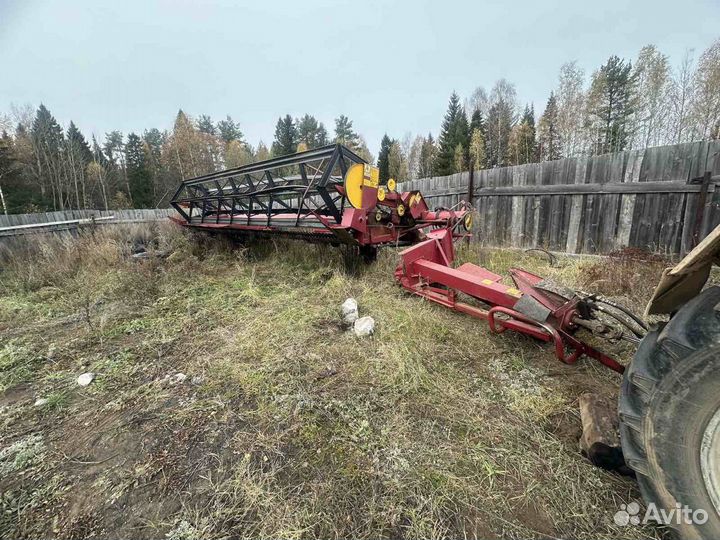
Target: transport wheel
{"x":670,"y":418}
{"x":368,"y":254}
{"x":355,"y":258}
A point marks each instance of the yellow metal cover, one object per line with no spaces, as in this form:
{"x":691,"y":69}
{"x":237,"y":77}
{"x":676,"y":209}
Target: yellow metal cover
{"x":357,"y":176}
{"x":354,"y":178}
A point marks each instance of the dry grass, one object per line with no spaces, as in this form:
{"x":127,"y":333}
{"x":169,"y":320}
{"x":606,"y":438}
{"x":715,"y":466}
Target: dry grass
{"x":286,"y":426}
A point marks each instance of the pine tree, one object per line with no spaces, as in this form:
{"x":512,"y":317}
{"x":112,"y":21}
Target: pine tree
{"x":12,"y":193}
{"x":610,"y":104}
{"x":528,"y":117}
{"x":139,"y":178}
{"x":47,"y":131}
{"x":462,"y":143}
{"x":499,"y":127}
{"x":77,"y":156}
{"x":478,"y":122}
{"x":311,"y":132}
{"x":452,"y":133}
{"x":344,"y":133}
{"x":153,"y":140}
{"x":114,"y":149}
{"x":549,"y":135}
{"x":205,"y":125}
{"x":321,"y":136}
{"x":523,"y":148}
{"x":47,"y":140}
{"x":229,"y":130}
{"x":76,"y":138}
{"x":383,"y":161}
{"x":285,"y":137}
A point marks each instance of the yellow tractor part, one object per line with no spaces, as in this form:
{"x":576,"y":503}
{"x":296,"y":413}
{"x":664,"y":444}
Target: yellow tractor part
{"x":400,"y":210}
{"x":357,"y":177}
{"x":391,"y":185}
{"x":381,"y":193}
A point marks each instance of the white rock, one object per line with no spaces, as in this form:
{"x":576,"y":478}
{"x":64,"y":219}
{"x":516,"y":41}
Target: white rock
{"x":364,"y":326}
{"x":39,"y":402}
{"x":197,"y":380}
{"x":349,"y":311}
{"x":85,"y":379}
{"x":177,"y":378}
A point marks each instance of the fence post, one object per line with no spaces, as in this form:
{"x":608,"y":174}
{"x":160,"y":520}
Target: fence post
{"x":471,"y":185}
{"x":700,"y":210}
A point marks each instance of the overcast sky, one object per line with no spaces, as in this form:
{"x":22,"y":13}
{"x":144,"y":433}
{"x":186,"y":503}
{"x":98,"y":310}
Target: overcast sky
{"x":389,"y":66}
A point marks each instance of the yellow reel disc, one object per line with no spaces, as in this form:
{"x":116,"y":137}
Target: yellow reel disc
{"x":391,"y":184}
{"x":467,"y":222}
{"x":381,"y":193}
{"x":353,"y":184}
{"x":400,"y":210}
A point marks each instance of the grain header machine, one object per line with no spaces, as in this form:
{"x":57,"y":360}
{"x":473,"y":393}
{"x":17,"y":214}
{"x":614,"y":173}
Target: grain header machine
{"x":327,"y":194}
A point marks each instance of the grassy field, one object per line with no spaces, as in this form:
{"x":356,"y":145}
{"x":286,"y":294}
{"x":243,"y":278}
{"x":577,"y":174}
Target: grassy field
{"x":286,"y":426}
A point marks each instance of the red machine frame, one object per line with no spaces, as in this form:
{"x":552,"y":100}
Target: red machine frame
{"x":426,"y":270}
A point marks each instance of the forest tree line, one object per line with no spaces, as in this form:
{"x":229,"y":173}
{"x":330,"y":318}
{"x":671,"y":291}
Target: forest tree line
{"x":44,"y":167}
{"x":624,"y":104}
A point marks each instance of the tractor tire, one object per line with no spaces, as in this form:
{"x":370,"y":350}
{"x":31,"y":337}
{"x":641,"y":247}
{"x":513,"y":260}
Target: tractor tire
{"x":670,"y":417}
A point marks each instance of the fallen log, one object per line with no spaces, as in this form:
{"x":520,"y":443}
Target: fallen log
{"x":600,"y":440}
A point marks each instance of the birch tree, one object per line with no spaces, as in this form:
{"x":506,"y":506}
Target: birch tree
{"x":706,"y":98}
{"x":501,"y":118}
{"x":414,"y":157}
{"x":571,"y":110}
{"x":477,"y":150}
{"x":652,"y":75}
{"x":680,"y":96}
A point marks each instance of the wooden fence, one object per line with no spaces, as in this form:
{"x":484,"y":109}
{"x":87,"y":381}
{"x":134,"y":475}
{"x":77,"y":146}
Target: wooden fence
{"x":126,"y":216}
{"x":658,"y":199}
{"x":19,"y":225}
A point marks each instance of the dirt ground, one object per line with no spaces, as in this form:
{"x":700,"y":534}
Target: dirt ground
{"x":285,"y":424}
